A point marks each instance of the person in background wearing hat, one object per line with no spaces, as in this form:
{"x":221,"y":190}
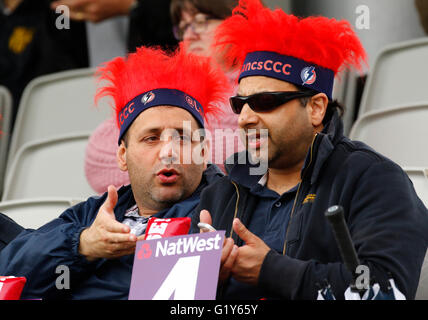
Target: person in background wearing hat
{"x":281,"y":244}
{"x":160,"y":102}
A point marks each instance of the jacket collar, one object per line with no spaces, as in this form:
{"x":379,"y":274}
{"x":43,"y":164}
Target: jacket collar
{"x":320,"y":150}
{"x":323,"y":145}
{"x":126,"y":197}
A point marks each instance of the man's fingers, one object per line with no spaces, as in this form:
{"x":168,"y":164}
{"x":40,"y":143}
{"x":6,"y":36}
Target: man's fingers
{"x":228,"y":264}
{"x":115,"y":227}
{"x":118,"y":250}
{"x":120,"y":238}
{"x":227,"y":249}
{"x":246,"y":235}
{"x":141,"y":237}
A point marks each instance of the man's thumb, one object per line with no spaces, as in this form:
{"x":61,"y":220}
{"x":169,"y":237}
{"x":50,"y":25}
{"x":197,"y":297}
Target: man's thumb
{"x":111,"y":200}
{"x":246,"y":235}
{"x":205,"y":217}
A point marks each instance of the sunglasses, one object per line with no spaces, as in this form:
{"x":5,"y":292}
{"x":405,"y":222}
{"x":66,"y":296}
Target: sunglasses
{"x":266,"y":101}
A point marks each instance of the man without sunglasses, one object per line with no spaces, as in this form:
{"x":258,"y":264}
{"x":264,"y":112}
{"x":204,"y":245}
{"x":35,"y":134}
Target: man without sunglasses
{"x":280,"y":244}
{"x":160,"y":111}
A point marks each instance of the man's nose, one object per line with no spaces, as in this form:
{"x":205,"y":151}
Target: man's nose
{"x":247,"y":117}
{"x":169,"y":152}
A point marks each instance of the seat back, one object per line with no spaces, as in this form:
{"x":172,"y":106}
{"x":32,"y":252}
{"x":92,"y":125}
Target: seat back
{"x":5,"y":122}
{"x":422,"y":292}
{"x":49,"y":168}
{"x":419,"y":177}
{"x":397,"y":77}
{"x":57,"y":104}
{"x":398,"y":133}
{"x":33,"y":213}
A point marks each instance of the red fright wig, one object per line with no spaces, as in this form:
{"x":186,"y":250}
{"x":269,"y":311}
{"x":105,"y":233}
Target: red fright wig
{"x":152,"y":77}
{"x":256,"y":37}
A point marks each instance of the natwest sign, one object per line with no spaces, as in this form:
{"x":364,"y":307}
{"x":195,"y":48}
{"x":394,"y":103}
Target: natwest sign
{"x":179,"y":268}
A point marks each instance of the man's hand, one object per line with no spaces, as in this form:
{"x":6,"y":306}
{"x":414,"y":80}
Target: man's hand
{"x":228,"y":253}
{"x":95,"y":10}
{"x":248,"y":262}
{"x":106,"y":237}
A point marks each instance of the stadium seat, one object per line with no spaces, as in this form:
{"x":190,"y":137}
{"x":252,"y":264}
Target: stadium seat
{"x":5,"y":119}
{"x":398,"y":133}
{"x":397,"y":77}
{"x":33,"y":213}
{"x":422,"y":292}
{"x":57,"y":104}
{"x":419,"y":177}
{"x":49,"y":168}
{"x":344,"y":91}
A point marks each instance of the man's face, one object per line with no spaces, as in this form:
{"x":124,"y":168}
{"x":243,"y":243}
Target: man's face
{"x":289,"y":127}
{"x":158,"y":157}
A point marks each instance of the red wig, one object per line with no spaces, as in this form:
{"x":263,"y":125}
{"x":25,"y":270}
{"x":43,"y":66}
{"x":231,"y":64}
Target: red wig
{"x":151,"y":68}
{"x":329,"y":43}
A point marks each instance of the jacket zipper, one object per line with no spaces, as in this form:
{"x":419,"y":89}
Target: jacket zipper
{"x":297,"y":195}
{"x":236,"y":207}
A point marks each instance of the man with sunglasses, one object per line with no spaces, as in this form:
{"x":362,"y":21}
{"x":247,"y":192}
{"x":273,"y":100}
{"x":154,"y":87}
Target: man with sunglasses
{"x":280,"y":244}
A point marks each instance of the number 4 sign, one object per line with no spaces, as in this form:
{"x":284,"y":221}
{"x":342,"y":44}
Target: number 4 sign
{"x":179,"y":268}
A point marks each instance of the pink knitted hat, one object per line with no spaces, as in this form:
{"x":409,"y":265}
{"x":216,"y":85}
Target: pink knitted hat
{"x":101,"y":168}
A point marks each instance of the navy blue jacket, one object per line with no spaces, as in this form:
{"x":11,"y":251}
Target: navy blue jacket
{"x":36,"y":254}
{"x":387,"y":221}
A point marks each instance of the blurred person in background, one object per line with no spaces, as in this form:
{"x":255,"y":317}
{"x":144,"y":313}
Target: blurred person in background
{"x":32,"y":45}
{"x":149,"y":22}
{"x":422,"y":7}
{"x":194,"y":22}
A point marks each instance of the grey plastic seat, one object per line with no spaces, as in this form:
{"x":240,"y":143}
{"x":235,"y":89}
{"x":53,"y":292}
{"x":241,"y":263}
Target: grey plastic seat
{"x":419,"y":177}
{"x":57,"y":104}
{"x":49,"y":168}
{"x":33,"y":213}
{"x":397,"y":77}
{"x":5,"y":122}
{"x":422,"y":292}
{"x":399,"y":133}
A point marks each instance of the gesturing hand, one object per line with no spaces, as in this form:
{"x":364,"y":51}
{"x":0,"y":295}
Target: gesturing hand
{"x":228,"y":253}
{"x":106,"y":237}
{"x":248,"y":263}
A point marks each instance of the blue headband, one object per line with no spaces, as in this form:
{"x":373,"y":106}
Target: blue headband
{"x":290,"y":69}
{"x":158,"y":97}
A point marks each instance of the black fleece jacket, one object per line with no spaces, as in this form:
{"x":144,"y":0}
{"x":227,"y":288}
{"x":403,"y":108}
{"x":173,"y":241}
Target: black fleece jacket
{"x":388,"y":223}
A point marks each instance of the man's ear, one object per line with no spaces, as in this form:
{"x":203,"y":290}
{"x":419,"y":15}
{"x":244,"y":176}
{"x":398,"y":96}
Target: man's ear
{"x":317,"y":107}
{"x":206,"y":151}
{"x":121,"y":157}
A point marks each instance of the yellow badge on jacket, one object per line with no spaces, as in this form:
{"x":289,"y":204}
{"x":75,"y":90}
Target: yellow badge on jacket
{"x":20,"y":38}
{"x":310,"y":198}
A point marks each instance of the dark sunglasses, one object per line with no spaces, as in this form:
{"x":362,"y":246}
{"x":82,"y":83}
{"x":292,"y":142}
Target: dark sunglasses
{"x":266,"y":101}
